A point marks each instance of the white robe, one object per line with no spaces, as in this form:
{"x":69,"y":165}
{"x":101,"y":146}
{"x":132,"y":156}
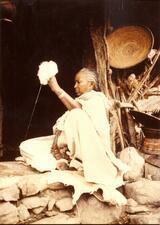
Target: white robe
{"x":86,"y":132}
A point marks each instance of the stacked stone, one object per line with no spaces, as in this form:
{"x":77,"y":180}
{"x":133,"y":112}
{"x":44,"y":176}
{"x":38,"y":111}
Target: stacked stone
{"x":142,"y":189}
{"x":27,"y":198}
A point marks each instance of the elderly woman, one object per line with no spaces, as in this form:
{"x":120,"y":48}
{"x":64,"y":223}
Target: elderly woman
{"x":81,"y":136}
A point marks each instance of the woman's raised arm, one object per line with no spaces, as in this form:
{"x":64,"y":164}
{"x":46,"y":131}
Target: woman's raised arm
{"x":65,"y":98}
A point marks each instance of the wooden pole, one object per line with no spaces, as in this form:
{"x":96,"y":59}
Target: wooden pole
{"x":101,"y":55}
{"x":144,"y":78}
{"x":1,"y":126}
{"x":151,"y":84}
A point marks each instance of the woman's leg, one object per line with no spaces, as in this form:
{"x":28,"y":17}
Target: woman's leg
{"x":85,"y":144}
{"x":37,"y":153}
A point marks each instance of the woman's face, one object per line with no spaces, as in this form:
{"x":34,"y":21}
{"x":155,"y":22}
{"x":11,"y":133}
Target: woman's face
{"x":82,"y":85}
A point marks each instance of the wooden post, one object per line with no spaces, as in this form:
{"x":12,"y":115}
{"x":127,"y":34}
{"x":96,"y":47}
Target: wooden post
{"x":100,"y":56}
{"x":1,"y":127}
{"x":102,"y":64}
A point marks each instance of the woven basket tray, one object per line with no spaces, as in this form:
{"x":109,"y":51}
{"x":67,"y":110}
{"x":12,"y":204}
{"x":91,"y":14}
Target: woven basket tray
{"x":129,"y":45}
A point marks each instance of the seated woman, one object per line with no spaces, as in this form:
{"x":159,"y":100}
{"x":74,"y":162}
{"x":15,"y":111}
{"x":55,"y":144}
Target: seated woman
{"x":83,"y":133}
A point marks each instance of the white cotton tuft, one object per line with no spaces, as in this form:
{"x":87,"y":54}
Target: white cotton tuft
{"x":46,"y":71}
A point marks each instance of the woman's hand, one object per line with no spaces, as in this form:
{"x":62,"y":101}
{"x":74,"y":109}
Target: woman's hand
{"x":62,"y":164}
{"x":67,"y":100}
{"x":52,"y":82}
{"x":54,"y":85}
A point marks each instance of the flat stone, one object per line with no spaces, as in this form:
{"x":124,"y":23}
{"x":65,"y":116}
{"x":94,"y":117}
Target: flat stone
{"x":13,"y":168}
{"x":152,"y":171}
{"x":56,"y":186}
{"x":23,"y":212}
{"x":51,"y":213}
{"x":148,"y":218}
{"x":64,"y":204}
{"x":32,"y":184}
{"x":51,"y":203}
{"x":131,"y":202}
{"x":38,"y":210}
{"x":57,"y":194}
{"x":93,"y":211}
{"x":8,"y":213}
{"x":10,"y":193}
{"x":144,"y":191}
{"x":135,"y":161}
{"x":35,"y":202}
{"x":154,"y":160}
{"x":59,"y":219}
{"x":137,"y":209}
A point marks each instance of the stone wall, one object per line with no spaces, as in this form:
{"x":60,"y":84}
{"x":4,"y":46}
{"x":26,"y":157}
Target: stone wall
{"x":26,"y":197}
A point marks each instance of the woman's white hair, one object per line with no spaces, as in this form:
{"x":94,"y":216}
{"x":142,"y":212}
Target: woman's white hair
{"x":91,"y":75}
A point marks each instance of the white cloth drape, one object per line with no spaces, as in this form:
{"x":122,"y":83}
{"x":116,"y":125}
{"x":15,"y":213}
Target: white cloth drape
{"x":86,"y":132}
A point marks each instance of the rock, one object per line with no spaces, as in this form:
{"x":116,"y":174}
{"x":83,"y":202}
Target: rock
{"x":133,"y":207}
{"x":135,"y":161}
{"x":51,"y":213}
{"x":10,"y":193}
{"x":23,"y":212}
{"x":6,"y":182}
{"x":64,"y":193}
{"x":56,"y":186}
{"x":152,"y":171}
{"x":62,"y":199}
{"x":34,"y":202}
{"x":131,"y":202}
{"x":13,"y":168}
{"x":92,"y":211}
{"x":57,"y":194}
{"x":145,"y":155}
{"x":137,"y":209}
{"x":64,"y":204}
{"x":151,"y":218}
{"x":144,"y":191}
{"x":59,"y":219}
{"x":8,"y":213}
{"x":51,"y":203}
{"x":32,"y":184}
{"x":38,"y":210}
